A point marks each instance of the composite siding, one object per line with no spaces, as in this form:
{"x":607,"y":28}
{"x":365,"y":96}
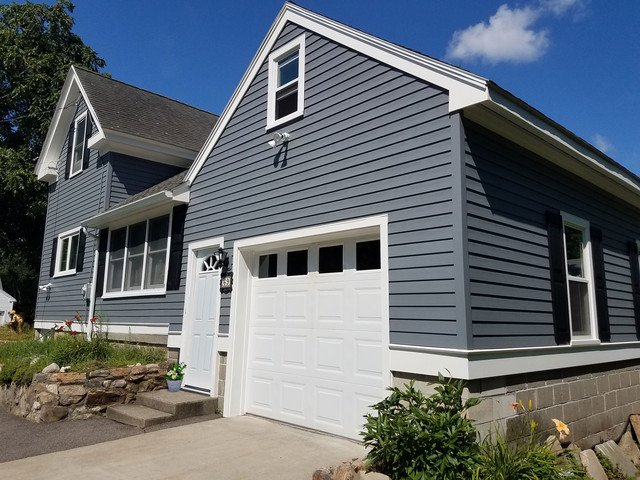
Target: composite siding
{"x":508,"y":192}
{"x":70,"y":202}
{"x":372,"y":140}
{"x":132,"y":175}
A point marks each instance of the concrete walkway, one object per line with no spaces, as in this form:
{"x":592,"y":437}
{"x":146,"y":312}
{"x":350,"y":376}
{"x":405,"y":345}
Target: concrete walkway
{"x":235,"y":448}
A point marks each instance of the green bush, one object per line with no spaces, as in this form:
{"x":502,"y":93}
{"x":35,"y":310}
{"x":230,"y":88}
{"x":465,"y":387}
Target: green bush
{"x":612,"y":471}
{"x":417,"y":437}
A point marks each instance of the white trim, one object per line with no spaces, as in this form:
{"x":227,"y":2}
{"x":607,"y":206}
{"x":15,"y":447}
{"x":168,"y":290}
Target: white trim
{"x":134,"y":329}
{"x":78,"y":119}
{"x":476,"y":364}
{"x":192,"y":271}
{"x":274,"y":59}
{"x":174,"y":340}
{"x":587,"y":260}
{"x":62,"y":236}
{"x":243,"y":252}
{"x":146,"y":207}
{"x":464,"y":88}
{"x":135,"y":293}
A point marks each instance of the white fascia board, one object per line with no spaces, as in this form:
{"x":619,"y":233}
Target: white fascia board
{"x":121,"y":328}
{"x":46,"y":167}
{"x":464,"y":88}
{"x":113,"y":141}
{"x":529,"y":129}
{"x":129,"y":210}
{"x":8,"y":297}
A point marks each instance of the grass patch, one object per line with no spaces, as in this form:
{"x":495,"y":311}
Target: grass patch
{"x":8,"y":335}
{"x":21,"y":359}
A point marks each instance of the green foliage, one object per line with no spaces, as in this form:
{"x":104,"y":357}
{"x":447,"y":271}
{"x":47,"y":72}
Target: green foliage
{"x":9,"y":335}
{"x":501,"y":460}
{"x":417,"y":437}
{"x":37,"y":47}
{"x":21,"y":359}
{"x":612,"y":471}
{"x":176,"y":371}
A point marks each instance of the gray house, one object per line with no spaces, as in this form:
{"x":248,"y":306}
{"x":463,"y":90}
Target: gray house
{"x":375,"y":215}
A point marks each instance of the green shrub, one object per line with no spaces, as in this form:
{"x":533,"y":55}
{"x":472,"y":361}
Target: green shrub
{"x":612,"y":471}
{"x":417,"y":437}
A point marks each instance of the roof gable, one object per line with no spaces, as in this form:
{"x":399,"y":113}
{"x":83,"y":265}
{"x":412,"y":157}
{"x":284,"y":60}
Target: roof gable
{"x":128,"y":120}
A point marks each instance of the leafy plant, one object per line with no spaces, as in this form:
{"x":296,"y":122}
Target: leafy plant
{"x":176,"y":371}
{"x":416,"y":437}
{"x":612,"y":471}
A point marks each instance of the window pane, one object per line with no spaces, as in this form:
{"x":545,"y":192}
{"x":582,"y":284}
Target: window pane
{"x":268,"y":266}
{"x":575,"y":247}
{"x":158,"y":233}
{"x":287,"y":101}
{"x":579,"y":300}
{"x":116,"y":260}
{"x":288,"y":69}
{"x":297,"y":263}
{"x":73,"y":253}
{"x":156,"y":262}
{"x":368,"y":255}
{"x":330,"y":259}
{"x":64,"y":254}
{"x":157,"y":256}
{"x":78,"y":147}
{"x":135,"y":256}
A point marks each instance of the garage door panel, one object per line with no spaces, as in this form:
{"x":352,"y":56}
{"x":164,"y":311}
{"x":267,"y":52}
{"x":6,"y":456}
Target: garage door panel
{"x":368,"y":361}
{"x":294,"y":351}
{"x":264,"y":349}
{"x":330,"y":352}
{"x":296,"y":306}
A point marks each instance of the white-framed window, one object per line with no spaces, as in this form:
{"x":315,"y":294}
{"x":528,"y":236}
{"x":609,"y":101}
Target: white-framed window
{"x":580,"y":287}
{"x":137,"y":258}
{"x":67,"y":252}
{"x":79,"y":140}
{"x":286,"y":83}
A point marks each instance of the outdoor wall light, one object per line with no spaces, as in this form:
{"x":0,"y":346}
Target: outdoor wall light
{"x":279,"y":139}
{"x":45,"y":288}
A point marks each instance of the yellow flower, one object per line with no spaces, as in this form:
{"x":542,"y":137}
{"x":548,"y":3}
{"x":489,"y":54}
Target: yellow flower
{"x":530,"y":404}
{"x":561,"y":427}
{"x":533,"y":424}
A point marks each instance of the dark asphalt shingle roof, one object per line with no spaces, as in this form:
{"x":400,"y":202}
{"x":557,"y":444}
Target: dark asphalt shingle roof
{"x":169,"y":184}
{"x":124,"y":108}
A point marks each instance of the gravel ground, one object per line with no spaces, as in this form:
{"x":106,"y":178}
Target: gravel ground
{"x":20,"y":438}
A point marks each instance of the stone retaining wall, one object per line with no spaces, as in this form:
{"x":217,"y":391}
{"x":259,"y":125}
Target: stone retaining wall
{"x":595,"y":401}
{"x":53,"y":396}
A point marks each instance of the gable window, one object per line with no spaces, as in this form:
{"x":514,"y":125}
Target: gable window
{"x":580,"y":289}
{"x":79,"y":141}
{"x":137,"y":258}
{"x":286,"y":83}
{"x":67,"y":252}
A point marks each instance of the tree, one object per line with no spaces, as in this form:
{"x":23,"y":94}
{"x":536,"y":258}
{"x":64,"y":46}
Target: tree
{"x":37,"y":47}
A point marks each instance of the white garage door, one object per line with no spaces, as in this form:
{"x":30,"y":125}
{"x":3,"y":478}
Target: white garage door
{"x":316,"y":351}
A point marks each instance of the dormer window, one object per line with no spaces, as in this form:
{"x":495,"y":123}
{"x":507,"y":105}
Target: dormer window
{"x":79,"y":143}
{"x":286,"y":83}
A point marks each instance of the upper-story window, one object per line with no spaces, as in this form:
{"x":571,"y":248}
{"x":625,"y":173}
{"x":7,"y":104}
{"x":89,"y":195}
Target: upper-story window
{"x":137,"y":258}
{"x":67,"y":252}
{"x":286,"y":83}
{"x":580,"y":288}
{"x":79,"y":144}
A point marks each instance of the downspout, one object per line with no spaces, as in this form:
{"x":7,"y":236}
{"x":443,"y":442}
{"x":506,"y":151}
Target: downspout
{"x":92,"y":294}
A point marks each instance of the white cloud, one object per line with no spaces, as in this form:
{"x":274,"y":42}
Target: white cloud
{"x":510,"y":35}
{"x":602,"y":143}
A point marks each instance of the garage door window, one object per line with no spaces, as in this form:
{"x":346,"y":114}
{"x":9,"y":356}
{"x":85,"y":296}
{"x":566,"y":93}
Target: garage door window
{"x":368,"y":255}
{"x":297,"y":263}
{"x":268,"y":266}
{"x":330,"y":259}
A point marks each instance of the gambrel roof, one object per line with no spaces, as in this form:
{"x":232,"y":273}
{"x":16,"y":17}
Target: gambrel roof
{"x":478,"y":98}
{"x":129,"y":120}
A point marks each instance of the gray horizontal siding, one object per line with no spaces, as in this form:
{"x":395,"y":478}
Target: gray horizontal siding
{"x":508,"y":192}
{"x":373,"y":140}
{"x":131,"y":175}
{"x":70,"y":202}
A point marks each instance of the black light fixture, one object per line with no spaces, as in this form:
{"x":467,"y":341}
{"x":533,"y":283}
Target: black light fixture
{"x":226,"y":277}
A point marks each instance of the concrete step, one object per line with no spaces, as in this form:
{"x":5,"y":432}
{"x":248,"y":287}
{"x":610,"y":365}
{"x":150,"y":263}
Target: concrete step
{"x":137,"y":415}
{"x":178,"y":404}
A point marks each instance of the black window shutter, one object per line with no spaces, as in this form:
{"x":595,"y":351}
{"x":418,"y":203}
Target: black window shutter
{"x":67,"y":167}
{"x":54,"y":250}
{"x":80,"y":257}
{"x":600,"y":284}
{"x":557,"y":264}
{"x":102,"y":256}
{"x":635,"y":282}
{"x":175,"y":249}
{"x":85,"y":157}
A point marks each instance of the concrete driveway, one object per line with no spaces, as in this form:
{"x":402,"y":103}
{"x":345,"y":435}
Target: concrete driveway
{"x":235,"y":448}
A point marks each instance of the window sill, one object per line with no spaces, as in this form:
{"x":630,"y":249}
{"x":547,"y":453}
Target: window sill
{"x":135,"y":293}
{"x":67,"y":273}
{"x":75,"y":174}
{"x":585,"y":342}
{"x":271,"y":124}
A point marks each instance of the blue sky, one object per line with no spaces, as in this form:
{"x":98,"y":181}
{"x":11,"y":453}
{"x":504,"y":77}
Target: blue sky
{"x":578,"y":61}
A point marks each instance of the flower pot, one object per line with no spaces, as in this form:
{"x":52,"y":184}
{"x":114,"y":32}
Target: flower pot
{"x":174,"y":385}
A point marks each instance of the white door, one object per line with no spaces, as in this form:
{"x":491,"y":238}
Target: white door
{"x":316,"y":336}
{"x":202,"y":322}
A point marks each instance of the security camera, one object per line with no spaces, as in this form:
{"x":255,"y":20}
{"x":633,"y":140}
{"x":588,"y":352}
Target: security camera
{"x":279,"y":138}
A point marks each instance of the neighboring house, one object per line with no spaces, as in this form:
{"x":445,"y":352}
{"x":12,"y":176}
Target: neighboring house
{"x":413,"y":218}
{"x":109,"y":141}
{"x":6,"y":305}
